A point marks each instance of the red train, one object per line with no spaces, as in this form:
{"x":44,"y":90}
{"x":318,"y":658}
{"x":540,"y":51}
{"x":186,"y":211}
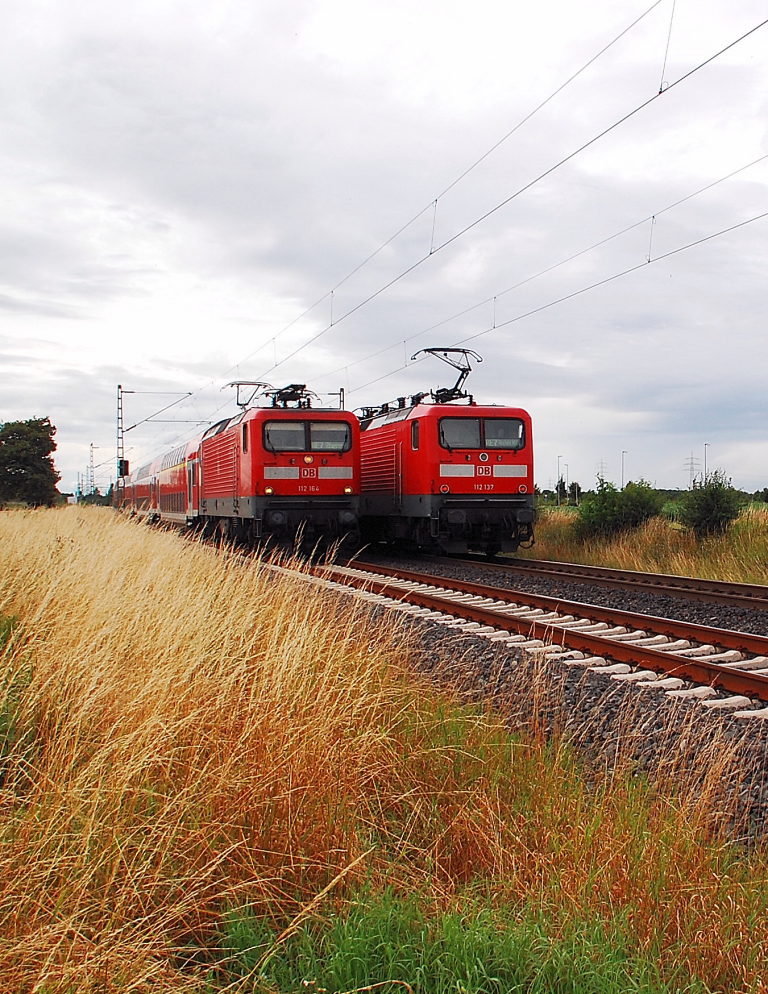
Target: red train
{"x":438,"y":472}
{"x":279,"y":471}
{"x":447,"y":476}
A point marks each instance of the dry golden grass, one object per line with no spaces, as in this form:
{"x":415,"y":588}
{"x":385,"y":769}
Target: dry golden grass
{"x":187,"y":731}
{"x":190,"y":730}
{"x":659,"y":546}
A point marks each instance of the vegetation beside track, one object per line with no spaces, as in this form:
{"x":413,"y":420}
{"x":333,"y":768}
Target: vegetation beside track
{"x":214,"y":774}
{"x":739,"y":554}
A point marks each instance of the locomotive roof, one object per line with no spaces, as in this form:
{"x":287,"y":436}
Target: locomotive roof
{"x":422,"y":409}
{"x":292,"y":413}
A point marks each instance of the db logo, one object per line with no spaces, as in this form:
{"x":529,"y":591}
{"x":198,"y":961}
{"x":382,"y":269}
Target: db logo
{"x":483,"y":470}
{"x":308,"y":473}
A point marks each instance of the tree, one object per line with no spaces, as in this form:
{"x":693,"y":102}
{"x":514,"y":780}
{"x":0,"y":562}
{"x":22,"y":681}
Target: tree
{"x":27,"y":472}
{"x":711,"y":506}
{"x":574,"y":493}
{"x":97,"y":498}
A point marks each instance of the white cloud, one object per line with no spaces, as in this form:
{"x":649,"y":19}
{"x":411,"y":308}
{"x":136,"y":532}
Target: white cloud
{"x":181,"y":181}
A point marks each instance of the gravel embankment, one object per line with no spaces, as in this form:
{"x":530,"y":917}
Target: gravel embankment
{"x":612,"y":724}
{"x":608,"y":722}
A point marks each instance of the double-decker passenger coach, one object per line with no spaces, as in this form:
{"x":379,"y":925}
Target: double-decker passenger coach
{"x":441,"y":472}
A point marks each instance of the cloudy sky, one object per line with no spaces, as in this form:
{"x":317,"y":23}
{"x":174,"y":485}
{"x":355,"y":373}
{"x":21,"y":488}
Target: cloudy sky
{"x":184,"y":184}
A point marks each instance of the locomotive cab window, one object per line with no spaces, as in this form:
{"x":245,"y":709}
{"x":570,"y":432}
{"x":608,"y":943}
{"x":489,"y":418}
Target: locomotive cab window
{"x":284,"y":436}
{"x":504,"y":433}
{"x":307,"y":436}
{"x":482,"y":433}
{"x":460,"y":433}
{"x":245,"y":438}
{"x":415,"y":435}
{"x":329,"y":436}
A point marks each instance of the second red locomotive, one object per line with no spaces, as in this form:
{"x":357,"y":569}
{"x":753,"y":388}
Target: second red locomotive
{"x":443,"y":473}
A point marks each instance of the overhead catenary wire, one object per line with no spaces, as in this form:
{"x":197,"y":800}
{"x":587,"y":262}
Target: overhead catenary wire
{"x":616,"y":276}
{"x":482,"y":218}
{"x":551,"y":97}
{"x":527,"y":186}
{"x":548,"y":269}
{"x":432,"y":205}
{"x":542,"y":272}
{"x":577,"y":293}
{"x":162,"y":409}
{"x":666,"y":50}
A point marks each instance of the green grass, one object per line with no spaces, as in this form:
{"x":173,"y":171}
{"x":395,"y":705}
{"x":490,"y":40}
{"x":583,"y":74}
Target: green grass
{"x":12,"y":686}
{"x":7,"y":627}
{"x":392,"y":942}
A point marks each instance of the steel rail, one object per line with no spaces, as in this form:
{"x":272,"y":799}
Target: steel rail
{"x":751,"y":595}
{"x":741,"y":641}
{"x":696,"y":669}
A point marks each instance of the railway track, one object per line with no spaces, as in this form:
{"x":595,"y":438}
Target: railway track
{"x":677,"y":657}
{"x":750,"y":595}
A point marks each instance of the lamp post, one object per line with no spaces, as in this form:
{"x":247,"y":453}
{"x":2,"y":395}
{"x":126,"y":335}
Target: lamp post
{"x":567,"y":498}
{"x":558,"y":480}
{"x":706,"y":446}
{"x":623,"y":453}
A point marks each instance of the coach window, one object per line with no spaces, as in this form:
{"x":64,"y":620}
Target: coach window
{"x":329,"y":436}
{"x":414,"y":435}
{"x":284,"y":436}
{"x":245,"y":438}
{"x":504,"y":433}
{"x":460,"y":433}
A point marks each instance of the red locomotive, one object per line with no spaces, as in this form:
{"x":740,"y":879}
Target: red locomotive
{"x":279,"y":471}
{"x":444,"y":475}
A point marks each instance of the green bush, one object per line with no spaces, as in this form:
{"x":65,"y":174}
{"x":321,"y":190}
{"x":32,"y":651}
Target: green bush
{"x":609,"y":510}
{"x":709,"y":507}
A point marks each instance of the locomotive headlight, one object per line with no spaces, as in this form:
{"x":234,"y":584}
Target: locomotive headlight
{"x":483,"y":457}
{"x":347,"y":490}
{"x":445,"y":489}
{"x":309,"y":459}
{"x":268,"y":490}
